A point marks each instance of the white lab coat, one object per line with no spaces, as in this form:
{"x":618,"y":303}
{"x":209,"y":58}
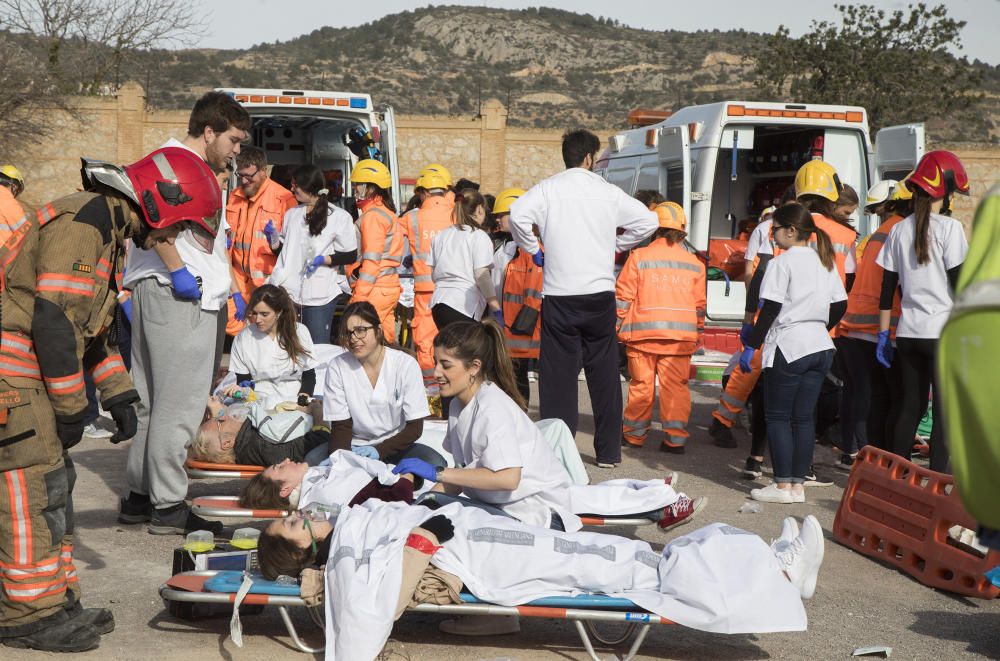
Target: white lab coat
{"x":299,"y":247}
{"x":276,"y":378}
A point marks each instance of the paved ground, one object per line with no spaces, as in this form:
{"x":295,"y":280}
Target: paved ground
{"x":858,"y":602}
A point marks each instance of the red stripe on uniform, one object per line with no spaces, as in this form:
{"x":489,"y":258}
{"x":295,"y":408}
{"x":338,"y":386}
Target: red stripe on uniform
{"x":45,"y":214}
{"x":63,"y":385}
{"x":108,"y":367}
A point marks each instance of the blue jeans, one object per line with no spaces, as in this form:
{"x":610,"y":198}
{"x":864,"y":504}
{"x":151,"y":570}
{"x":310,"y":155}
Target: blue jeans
{"x":792,"y":390}
{"x":318,"y":319}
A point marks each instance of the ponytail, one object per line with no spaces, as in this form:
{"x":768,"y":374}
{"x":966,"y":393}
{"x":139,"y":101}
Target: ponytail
{"x":482,"y":341}
{"x":824,"y":248}
{"x":799,"y":217}
{"x":922,"y":213}
{"x":310,"y":179}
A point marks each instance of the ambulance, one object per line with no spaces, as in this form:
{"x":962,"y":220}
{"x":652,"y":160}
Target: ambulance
{"x":726,"y":162}
{"x":333,"y":130}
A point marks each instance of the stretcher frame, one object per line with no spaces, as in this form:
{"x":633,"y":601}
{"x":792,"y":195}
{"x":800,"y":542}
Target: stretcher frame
{"x":200,"y":470}
{"x":189,"y":587}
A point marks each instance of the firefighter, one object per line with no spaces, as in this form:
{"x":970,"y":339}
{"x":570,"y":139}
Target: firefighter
{"x":58,"y":301}
{"x":11,"y":185}
{"x":254,"y":211}
{"x":421,"y":225}
{"x":381,"y":244}
{"x":11,"y":178}
{"x":661,"y":310}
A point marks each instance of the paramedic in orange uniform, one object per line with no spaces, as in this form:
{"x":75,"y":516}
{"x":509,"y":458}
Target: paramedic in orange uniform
{"x":255,"y":209}
{"x":661,"y":310}
{"x":421,"y":225}
{"x":381,"y":244}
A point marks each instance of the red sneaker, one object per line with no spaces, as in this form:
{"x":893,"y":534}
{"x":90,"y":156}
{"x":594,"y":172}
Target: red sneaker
{"x":681,"y":512}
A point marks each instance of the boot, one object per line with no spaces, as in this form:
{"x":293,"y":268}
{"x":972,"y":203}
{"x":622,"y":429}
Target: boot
{"x":101,"y":619}
{"x":69,"y":636}
{"x":180,"y":520}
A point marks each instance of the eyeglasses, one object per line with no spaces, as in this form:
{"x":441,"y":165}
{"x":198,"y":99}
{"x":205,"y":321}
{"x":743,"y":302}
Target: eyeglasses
{"x":359,"y":332}
{"x":247,"y":177}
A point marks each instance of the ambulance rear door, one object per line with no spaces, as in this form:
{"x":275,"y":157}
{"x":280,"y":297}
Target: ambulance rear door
{"x":897,"y":151}
{"x":387,"y":144}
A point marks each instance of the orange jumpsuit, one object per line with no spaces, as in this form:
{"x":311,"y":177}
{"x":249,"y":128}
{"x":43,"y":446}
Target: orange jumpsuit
{"x":661,"y":310}
{"x":421,"y":226}
{"x":522,"y":287}
{"x":251,"y":255}
{"x":381,"y":254}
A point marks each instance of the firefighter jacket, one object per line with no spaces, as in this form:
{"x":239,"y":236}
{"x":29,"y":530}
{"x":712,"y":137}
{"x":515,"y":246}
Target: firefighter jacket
{"x":421,"y":226}
{"x":59,"y":300}
{"x":522,"y":287}
{"x":251,"y":254}
{"x":381,"y":250}
{"x":861,"y":319}
{"x":661,"y":295}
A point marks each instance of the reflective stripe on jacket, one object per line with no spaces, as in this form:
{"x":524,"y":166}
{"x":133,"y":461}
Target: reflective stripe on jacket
{"x":381,"y":248}
{"x":421,"y":226}
{"x":251,"y":254}
{"x":863,"y":301}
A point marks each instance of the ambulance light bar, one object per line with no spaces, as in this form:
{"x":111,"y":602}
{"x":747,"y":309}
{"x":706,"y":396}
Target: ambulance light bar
{"x":298,"y":99}
{"x":746,"y":111}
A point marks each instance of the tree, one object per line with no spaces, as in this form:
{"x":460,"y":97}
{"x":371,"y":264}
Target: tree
{"x":27,"y":90}
{"x":895,"y":65}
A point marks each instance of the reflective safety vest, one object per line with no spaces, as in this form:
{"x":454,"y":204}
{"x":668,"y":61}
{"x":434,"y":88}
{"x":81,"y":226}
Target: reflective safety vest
{"x":251,"y":254}
{"x":861,"y":318}
{"x":661,"y":295}
{"x":843,"y":239}
{"x":421,"y":226}
{"x":522,"y":287}
{"x":381,"y":241}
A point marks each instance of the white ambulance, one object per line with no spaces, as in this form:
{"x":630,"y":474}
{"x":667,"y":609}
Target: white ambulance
{"x":332,"y":130}
{"x":725,"y":162}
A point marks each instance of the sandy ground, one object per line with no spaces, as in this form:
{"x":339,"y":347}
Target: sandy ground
{"x":858,"y":602}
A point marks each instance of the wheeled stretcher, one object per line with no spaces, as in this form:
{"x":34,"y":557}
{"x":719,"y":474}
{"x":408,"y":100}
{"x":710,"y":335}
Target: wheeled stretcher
{"x":587,"y":612}
{"x":200,"y":470}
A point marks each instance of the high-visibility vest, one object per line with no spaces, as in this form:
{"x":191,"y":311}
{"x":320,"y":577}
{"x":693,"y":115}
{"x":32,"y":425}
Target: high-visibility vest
{"x":522,"y":286}
{"x":381,"y":249}
{"x":843,"y":239}
{"x":863,"y":301}
{"x":661,"y":295}
{"x":421,"y":226}
{"x":251,"y":254}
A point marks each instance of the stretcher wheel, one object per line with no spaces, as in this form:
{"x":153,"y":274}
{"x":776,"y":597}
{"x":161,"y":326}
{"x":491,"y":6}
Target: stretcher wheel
{"x":610,"y":633}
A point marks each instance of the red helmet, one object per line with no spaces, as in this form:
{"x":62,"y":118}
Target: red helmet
{"x":939,"y":174}
{"x":175,"y":185}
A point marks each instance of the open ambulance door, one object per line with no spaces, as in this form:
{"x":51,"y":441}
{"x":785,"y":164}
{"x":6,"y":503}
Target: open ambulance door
{"x":897,"y":150}
{"x":387,"y":145}
{"x":674,"y":149}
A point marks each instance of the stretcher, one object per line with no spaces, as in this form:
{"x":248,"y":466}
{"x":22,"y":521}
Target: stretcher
{"x":229,"y":507}
{"x":587,"y":612}
{"x":199,"y":470}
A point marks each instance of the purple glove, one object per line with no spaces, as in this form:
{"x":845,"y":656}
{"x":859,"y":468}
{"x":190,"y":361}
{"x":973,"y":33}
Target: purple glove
{"x":185,"y":285}
{"x":539,"y":259}
{"x":883,"y":350}
{"x":417,"y":467}
{"x":316,"y":262}
{"x":271,"y":232}
{"x":745,"y":359}
{"x":498,"y":315}
{"x":745,"y":333}
{"x":241,"y":306}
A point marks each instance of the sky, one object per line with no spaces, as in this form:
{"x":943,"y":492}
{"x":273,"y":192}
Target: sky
{"x":249,"y":22}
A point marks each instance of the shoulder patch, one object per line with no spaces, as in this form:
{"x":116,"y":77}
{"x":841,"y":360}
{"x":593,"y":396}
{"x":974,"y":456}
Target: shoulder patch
{"x":96,"y":214}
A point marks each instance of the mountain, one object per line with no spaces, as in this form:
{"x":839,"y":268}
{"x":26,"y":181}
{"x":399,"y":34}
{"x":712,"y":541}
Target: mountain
{"x":552,"y":68}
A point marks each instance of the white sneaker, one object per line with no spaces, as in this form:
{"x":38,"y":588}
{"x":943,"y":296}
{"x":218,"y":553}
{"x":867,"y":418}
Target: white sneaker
{"x":801,"y":558}
{"x":789,"y":529}
{"x":481,"y":625}
{"x":93,"y":431}
{"x":772,"y":494}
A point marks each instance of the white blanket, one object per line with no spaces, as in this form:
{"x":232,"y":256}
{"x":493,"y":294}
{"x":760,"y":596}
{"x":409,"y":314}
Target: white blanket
{"x":719,"y":579}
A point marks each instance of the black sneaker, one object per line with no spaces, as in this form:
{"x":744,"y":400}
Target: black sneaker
{"x":71,"y":635}
{"x":135,"y":508}
{"x":180,"y":520}
{"x":721,"y":434}
{"x":753,"y":469}
{"x":813,"y":480}
{"x":846,"y":461}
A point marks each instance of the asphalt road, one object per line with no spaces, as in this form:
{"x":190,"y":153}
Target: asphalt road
{"x":858,"y":602}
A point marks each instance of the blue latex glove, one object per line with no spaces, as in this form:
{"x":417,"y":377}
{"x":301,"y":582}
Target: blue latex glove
{"x":498,"y":315}
{"x":229,"y":241}
{"x":745,"y":333}
{"x":408,"y":262}
{"x":883,"y":350}
{"x":241,"y":306}
{"x":271,"y":232}
{"x":316,"y":262}
{"x":126,"y":306}
{"x":366,"y":451}
{"x":539,"y":259}
{"x":184,"y":284}
{"x":745,"y":357}
{"x":246,"y":384}
{"x":417,"y":467}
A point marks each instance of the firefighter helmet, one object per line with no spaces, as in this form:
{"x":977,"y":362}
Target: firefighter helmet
{"x":671,"y":216}
{"x":939,"y":174}
{"x":879,"y":194}
{"x":174,"y":185}
{"x":818,"y":178}
{"x":370,"y":171}
{"x":10,"y":175}
{"x":434,"y":176}
{"x":505,"y":199}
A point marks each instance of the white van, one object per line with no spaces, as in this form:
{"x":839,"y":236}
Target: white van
{"x":727,"y":161}
{"x":306,"y":126}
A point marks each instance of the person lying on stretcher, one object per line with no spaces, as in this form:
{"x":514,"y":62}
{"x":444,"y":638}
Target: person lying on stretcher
{"x":249,"y":433}
{"x":718,"y":578}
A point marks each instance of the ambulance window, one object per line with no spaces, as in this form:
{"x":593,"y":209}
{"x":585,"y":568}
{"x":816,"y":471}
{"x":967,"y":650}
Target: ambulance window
{"x":649,"y":176}
{"x":621,"y":173}
{"x":675,"y":184}
{"x":844,"y":149}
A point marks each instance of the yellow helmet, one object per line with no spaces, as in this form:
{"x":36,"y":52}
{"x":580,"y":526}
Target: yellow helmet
{"x":11,"y":173}
{"x":370,"y":171}
{"x":434,"y":176}
{"x":671,"y":216}
{"x":818,"y":178}
{"x":505,"y":199}
{"x":902,"y":191}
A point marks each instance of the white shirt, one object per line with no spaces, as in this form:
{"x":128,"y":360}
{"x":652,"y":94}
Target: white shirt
{"x":298,"y":247}
{"x":380,"y":412}
{"x":578,"y":214}
{"x":503,"y":256}
{"x":213,"y":268}
{"x":799,"y":281}
{"x":927,"y":298}
{"x":759,"y":242}
{"x":275,"y":376}
{"x":455,"y":255}
{"x":767,"y":245}
{"x":492,"y":432}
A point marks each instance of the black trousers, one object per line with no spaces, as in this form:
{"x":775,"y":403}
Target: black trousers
{"x":872,"y":399}
{"x":916,"y":358}
{"x":521,"y":377}
{"x":585,"y":324}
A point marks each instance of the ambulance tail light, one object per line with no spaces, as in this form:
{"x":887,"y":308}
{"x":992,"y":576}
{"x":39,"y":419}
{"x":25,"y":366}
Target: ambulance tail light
{"x":695,"y":130}
{"x":651,"y":137}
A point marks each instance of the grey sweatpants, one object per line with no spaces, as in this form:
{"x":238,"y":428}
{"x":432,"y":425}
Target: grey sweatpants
{"x":173,"y":347}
